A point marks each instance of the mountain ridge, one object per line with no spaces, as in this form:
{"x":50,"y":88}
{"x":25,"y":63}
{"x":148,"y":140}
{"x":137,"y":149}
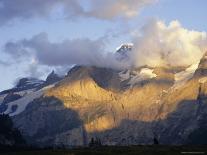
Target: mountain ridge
{"x":121,"y":107}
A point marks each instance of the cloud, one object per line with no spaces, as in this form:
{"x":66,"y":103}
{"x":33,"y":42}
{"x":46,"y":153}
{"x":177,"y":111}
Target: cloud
{"x":65,"y":53}
{"x":155,"y":44}
{"x":3,"y":63}
{"x":109,"y":9}
{"x":24,"y":9}
{"x":16,"y":50}
{"x":36,"y":70}
{"x":11,"y":10}
{"x":158,"y":44}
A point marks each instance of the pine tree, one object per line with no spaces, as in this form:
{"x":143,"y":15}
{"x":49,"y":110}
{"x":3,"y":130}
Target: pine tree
{"x":8,"y":134}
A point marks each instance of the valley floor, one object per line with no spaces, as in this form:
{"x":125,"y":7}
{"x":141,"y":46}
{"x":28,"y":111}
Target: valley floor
{"x":131,"y":150}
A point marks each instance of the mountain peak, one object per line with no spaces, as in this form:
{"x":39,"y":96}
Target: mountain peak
{"x":125,"y":46}
{"x":123,"y":51}
{"x":52,"y":78}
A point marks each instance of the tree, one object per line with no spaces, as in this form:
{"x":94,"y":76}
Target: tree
{"x":156,"y":142}
{"x":8,"y":134}
{"x":95,"y":142}
{"x":91,"y":144}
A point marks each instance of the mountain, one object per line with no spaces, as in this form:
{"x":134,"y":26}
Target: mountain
{"x":120,"y":107}
{"x":122,"y":52}
{"x":13,"y":101}
{"x":24,"y":84}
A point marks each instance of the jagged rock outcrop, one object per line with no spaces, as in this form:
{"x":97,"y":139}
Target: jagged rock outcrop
{"x":52,"y":78}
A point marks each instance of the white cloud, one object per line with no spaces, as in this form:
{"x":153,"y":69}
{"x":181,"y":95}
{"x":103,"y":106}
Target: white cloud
{"x":102,"y":9}
{"x":160,"y":44}
{"x":156,"y":44}
{"x":109,"y":9}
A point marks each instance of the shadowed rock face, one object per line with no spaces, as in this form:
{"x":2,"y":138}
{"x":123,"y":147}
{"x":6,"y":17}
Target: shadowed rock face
{"x":11,"y":97}
{"x":24,"y":84}
{"x":7,"y":99}
{"x":45,"y":118}
{"x":52,"y":78}
{"x":120,"y":107}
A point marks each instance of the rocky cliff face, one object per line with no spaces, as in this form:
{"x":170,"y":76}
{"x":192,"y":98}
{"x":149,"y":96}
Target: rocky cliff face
{"x":119,"y":107}
{"x":52,"y":78}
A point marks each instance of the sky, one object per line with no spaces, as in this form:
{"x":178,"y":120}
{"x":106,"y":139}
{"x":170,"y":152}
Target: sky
{"x":38,"y":36}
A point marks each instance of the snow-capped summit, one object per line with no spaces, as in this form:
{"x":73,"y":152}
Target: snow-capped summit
{"x":123,"y":50}
{"x":125,"y":46}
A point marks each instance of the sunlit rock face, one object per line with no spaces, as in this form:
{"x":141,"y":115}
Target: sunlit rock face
{"x":122,"y":107}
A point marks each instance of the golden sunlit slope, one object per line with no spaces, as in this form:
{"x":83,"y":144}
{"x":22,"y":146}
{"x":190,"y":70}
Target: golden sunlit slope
{"x":82,"y":94}
{"x":102,"y":109}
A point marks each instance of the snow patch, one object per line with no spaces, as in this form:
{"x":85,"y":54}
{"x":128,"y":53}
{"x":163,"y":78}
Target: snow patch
{"x":126,"y":45}
{"x":144,"y":74}
{"x":137,"y":76}
{"x":1,"y":98}
{"x":25,"y":92}
{"x":182,"y":77}
{"x":148,"y":73}
{"x":22,"y":103}
{"x":203,"y":80}
{"x":49,"y":86}
{"x":124,"y":75}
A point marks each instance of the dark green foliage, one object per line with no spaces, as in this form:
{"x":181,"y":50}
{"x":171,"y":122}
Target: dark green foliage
{"x":8,"y":134}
